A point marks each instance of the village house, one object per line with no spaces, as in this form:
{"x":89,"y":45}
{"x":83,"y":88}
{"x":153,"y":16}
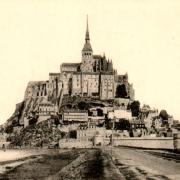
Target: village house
{"x":46,"y":110}
{"x":75,"y":116}
{"x":117,"y":114}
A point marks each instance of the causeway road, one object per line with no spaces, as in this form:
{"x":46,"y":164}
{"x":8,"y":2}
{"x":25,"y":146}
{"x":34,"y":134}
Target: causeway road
{"x":141,"y":164}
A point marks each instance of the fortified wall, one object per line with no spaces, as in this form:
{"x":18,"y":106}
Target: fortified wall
{"x":170,"y":143}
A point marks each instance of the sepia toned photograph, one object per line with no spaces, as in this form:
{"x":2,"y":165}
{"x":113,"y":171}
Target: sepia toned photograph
{"x":89,"y":90}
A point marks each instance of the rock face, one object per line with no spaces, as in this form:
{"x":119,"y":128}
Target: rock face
{"x":16,"y":116}
{"x":38,"y":135}
{"x":36,"y":93}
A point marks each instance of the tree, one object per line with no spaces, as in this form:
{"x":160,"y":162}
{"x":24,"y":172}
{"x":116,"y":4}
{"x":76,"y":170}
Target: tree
{"x":108,"y":123}
{"x":135,"y":108}
{"x":99,"y":112}
{"x":32,"y":121}
{"x":1,"y":129}
{"x":56,"y":121}
{"x":163,"y":114}
{"x":33,"y":118}
{"x":9,"y":129}
{"x":83,"y":105}
{"x":121,"y":91}
{"x":123,"y":124}
{"x":73,"y":134}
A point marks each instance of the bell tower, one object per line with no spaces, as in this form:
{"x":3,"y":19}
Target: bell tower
{"x":87,"y":53}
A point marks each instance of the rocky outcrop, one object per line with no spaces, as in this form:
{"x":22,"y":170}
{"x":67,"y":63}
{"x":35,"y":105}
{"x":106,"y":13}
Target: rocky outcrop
{"x":36,"y":92}
{"x":16,"y":116}
{"x":38,"y":135}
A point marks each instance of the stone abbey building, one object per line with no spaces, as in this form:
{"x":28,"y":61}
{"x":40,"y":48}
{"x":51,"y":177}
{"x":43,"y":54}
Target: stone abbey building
{"x":93,"y":77}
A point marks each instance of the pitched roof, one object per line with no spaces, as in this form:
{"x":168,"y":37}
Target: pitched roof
{"x":87,"y":47}
{"x":54,"y":74}
{"x":97,"y":56}
{"x":70,"y":64}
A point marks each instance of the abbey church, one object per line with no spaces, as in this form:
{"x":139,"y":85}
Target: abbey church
{"x":94,"y":76}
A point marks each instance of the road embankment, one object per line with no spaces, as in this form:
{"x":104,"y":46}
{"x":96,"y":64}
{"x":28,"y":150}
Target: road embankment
{"x":71,"y":164}
{"x":92,"y":164}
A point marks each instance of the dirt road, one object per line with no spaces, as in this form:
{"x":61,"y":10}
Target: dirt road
{"x":145,"y":164}
{"x":98,"y":164}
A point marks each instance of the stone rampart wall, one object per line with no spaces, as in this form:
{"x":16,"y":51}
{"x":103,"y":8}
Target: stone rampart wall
{"x":74,"y":143}
{"x":153,"y":143}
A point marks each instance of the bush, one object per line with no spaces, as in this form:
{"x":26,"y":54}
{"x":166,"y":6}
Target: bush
{"x":163,"y":114}
{"x":9,"y":129}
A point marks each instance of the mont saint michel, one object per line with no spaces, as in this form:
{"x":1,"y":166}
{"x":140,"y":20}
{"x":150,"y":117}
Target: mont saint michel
{"x":84,"y":122}
{"x":94,"y":77}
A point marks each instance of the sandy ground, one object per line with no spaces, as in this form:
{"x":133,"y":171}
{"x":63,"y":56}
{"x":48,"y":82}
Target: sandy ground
{"x":14,"y":154}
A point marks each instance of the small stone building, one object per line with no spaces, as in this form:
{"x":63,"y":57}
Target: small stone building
{"x":75,"y":116}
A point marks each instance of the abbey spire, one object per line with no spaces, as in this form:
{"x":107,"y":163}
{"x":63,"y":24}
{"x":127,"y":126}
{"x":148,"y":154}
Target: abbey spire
{"x":87,"y":39}
{"x":87,"y":45}
{"x":87,"y":53}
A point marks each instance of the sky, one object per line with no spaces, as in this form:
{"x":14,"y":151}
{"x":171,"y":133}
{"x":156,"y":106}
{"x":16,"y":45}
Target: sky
{"x":141,"y":37}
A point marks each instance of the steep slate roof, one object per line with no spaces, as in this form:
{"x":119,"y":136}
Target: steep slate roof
{"x":70,"y":64}
{"x":87,"y":47}
{"x":54,"y":74}
{"x":97,"y":56}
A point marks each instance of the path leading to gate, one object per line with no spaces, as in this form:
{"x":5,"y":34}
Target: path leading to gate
{"x":145,"y":164}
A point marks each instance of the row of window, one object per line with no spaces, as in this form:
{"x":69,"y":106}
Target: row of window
{"x":87,"y":53}
{"x":42,"y":93}
{"x":45,"y":110}
{"x":109,"y":90}
{"x":75,"y":117}
{"x":138,"y":125}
